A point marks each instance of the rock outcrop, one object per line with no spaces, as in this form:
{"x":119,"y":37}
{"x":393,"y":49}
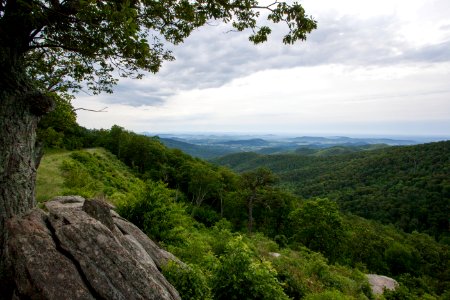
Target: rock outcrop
{"x":81,"y":249}
{"x":379,"y":283}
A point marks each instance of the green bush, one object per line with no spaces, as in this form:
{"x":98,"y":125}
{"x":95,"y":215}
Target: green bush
{"x":155,"y":211}
{"x":401,"y":259}
{"x":220,"y":236}
{"x":205,"y":215}
{"x":304,"y":273}
{"x":188,"y":280}
{"x":78,"y":181}
{"x":50,"y":137}
{"x":241,"y":276}
{"x":329,"y":295}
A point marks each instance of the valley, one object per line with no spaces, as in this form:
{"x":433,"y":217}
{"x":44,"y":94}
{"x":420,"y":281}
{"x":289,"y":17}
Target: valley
{"x":209,"y":146}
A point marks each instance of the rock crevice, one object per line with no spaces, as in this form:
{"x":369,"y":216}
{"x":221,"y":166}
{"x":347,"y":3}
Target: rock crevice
{"x":81,"y":249}
{"x":67,"y":254}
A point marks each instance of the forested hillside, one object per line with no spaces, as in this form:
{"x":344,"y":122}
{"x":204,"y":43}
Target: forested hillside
{"x":223,"y":223}
{"x":407,"y":186}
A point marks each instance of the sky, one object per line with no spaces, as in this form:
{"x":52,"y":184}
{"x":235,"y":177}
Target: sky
{"x":372,"y":68}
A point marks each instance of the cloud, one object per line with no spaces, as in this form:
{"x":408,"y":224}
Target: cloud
{"x":384,"y":64}
{"x":213,"y":56}
{"x":432,"y":53}
{"x":323,"y":99}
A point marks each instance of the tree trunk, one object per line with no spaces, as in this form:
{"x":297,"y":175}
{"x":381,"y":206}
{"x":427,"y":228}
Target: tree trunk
{"x":20,"y":110}
{"x":21,"y":106}
{"x":221,"y":205}
{"x":250,"y":214}
{"x":18,"y":157}
{"x":197,"y":200}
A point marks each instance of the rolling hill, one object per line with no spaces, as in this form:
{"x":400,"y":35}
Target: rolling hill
{"x":407,"y":186}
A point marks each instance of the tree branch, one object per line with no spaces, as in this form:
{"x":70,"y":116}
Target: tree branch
{"x":65,"y":47}
{"x":268,"y":7}
{"x":93,"y":110}
{"x":55,"y":4}
{"x":55,"y":13}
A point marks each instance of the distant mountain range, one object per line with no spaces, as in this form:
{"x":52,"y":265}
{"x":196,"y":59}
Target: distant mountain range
{"x":212,"y":146}
{"x":341,"y":140}
{"x":202,"y":151}
{"x":250,"y":143}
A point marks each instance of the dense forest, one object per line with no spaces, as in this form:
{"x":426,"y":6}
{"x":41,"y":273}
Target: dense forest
{"x":407,"y":186}
{"x":230,"y":227}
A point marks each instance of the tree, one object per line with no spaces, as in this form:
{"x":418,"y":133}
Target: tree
{"x":203,"y":182}
{"x":229,"y":182}
{"x":59,"y":125}
{"x":63,"y":45}
{"x":254,"y":182}
{"x":318,"y":225}
{"x":241,"y":275}
{"x":272,"y":210}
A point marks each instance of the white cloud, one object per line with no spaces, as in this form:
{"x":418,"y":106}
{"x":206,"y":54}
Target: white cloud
{"x":294,"y":98}
{"x":384,"y":63}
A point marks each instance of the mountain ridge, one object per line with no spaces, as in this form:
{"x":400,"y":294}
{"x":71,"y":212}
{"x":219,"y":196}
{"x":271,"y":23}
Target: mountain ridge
{"x":212,"y":146}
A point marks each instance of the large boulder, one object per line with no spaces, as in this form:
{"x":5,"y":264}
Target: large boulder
{"x":81,"y":249}
{"x":379,"y":283}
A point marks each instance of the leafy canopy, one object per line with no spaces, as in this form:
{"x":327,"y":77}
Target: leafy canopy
{"x":68,"y":42}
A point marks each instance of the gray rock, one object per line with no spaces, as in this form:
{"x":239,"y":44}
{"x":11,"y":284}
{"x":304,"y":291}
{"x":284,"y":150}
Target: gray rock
{"x":65,"y":202}
{"x":275,"y":254}
{"x":79,"y":251}
{"x":378,"y":283}
{"x":41,"y":271}
{"x":160,"y":256}
{"x":99,"y":210}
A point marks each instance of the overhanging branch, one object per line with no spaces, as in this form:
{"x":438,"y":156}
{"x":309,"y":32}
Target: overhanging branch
{"x":93,"y":110}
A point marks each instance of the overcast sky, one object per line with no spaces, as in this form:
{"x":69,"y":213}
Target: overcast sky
{"x":371,"y":68}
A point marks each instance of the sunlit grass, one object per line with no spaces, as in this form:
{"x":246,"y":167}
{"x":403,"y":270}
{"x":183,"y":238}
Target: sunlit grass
{"x":52,"y":181}
{"x":49,"y":181}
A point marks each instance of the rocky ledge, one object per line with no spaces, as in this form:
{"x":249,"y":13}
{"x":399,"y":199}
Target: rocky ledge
{"x":82,"y":249}
{"x":379,"y":283}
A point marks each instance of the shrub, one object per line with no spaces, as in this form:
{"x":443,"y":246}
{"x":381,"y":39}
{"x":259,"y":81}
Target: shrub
{"x":329,"y":295}
{"x":205,"y":215}
{"x":241,"y":276}
{"x":154,"y":210}
{"x":78,"y":181}
{"x":188,"y":280}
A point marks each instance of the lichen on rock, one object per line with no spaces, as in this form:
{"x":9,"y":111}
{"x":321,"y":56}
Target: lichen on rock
{"x":80,"y":250}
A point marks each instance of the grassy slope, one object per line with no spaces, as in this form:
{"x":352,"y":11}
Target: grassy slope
{"x":49,"y":181}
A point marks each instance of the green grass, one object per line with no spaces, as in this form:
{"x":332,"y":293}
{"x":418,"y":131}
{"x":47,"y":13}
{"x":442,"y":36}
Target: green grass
{"x":50,"y":180}
{"x":90,"y":173}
